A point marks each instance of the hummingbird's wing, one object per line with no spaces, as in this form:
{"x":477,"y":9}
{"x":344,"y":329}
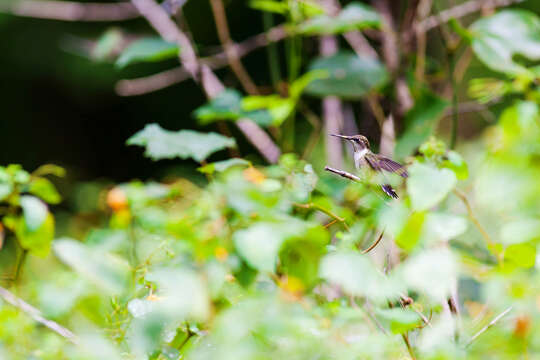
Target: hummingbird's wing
{"x":379,"y":163}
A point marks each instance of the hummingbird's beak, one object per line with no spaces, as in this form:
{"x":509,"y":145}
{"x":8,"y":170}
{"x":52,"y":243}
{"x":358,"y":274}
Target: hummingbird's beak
{"x":341,"y":136}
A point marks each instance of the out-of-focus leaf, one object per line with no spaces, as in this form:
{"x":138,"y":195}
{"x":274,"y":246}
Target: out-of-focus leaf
{"x":410,"y":234}
{"x":349,"y":76}
{"x":444,"y":227}
{"x":355,"y":16}
{"x":420,"y":122}
{"x":456,"y":163}
{"x":106,"y":270}
{"x":220,"y":166}
{"x":521,"y":255}
{"x":358,"y":276}
{"x":107,"y":44}
{"x":498,"y":38}
{"x":50,"y":169}
{"x":520,"y":231}
{"x":228,"y":105}
{"x":399,"y":320}
{"x":37,"y":241}
{"x":35,"y":212}
{"x":428,"y":185}
{"x":273,"y":6}
{"x":164,"y":144}
{"x":431,"y":272}
{"x":44,"y":189}
{"x":147,"y":50}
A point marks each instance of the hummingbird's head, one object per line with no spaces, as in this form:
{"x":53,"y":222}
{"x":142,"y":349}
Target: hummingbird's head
{"x":360,"y":142}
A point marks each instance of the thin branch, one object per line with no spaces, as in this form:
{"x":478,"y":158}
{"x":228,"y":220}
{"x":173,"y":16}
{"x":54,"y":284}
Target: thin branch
{"x":459,"y":11}
{"x":325,"y":211}
{"x":212,"y":86}
{"x":231,"y":51}
{"x":70,"y":10}
{"x":343,"y":174}
{"x":491,"y":323}
{"x":375,"y":243}
{"x":167,"y":78}
{"x":37,"y":316}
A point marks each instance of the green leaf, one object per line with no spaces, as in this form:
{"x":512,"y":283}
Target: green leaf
{"x":428,"y":185}
{"x":457,"y":164}
{"x":165,"y":144}
{"x":432,"y":272}
{"x":150,"y":49}
{"x":520,"y":231}
{"x":228,"y":105}
{"x":349,"y":76}
{"x":357,"y":275}
{"x":410,"y":234}
{"x":520,"y":255}
{"x":399,"y":320}
{"x":50,"y":169}
{"x":44,"y":189}
{"x":420,"y":122}
{"x":106,"y":270}
{"x":6,"y":185}
{"x":107,"y":44}
{"x":444,"y":227}
{"x":355,"y":16}
{"x":37,"y":241}
{"x":273,"y":6}
{"x":221,"y":166}
{"x":35,"y":212}
{"x":497,"y":39}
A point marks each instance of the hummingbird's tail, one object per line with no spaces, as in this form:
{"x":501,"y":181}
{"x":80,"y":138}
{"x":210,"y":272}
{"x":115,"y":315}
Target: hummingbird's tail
{"x":389,"y":191}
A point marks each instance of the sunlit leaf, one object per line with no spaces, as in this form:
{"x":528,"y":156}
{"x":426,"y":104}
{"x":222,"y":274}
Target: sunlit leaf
{"x":521,"y":255}
{"x":106,"y":270}
{"x":147,"y":50}
{"x":428,"y":185}
{"x":165,"y":144}
{"x":37,"y":241}
{"x":420,"y":122}
{"x":498,"y":38}
{"x":35,"y":212}
{"x":220,"y":166}
{"x":349,"y":76}
{"x":44,"y":189}
{"x":442,"y":226}
{"x":409,"y":236}
{"x":354,"y":16}
{"x":520,"y":231}
{"x":457,"y":164}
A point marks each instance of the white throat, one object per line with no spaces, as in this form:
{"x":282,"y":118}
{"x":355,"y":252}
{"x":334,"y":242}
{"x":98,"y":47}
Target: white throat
{"x":359,"y":157}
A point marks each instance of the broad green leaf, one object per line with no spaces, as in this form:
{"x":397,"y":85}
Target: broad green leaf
{"x":520,"y":231}
{"x":147,"y":50}
{"x":355,"y":16}
{"x":228,"y":105}
{"x":444,"y":227}
{"x":420,"y":122}
{"x":399,"y":320}
{"x":35,"y":212}
{"x":432,"y":272}
{"x":428,"y":185}
{"x":107,"y":44}
{"x":106,"y":270}
{"x":520,"y":255}
{"x":349,"y":76}
{"x":37,"y":241}
{"x":497,"y":39}
{"x":44,"y":189}
{"x":165,"y":144}
{"x":220,"y":166}
{"x":357,"y":275}
{"x":411,"y":232}
{"x":5,"y":189}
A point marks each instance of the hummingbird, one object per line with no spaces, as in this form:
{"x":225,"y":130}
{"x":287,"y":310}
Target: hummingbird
{"x":363,"y":156}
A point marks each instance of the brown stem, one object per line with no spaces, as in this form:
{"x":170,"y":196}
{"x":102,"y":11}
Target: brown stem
{"x":231,"y":51}
{"x":375,"y":243}
{"x":343,"y":174}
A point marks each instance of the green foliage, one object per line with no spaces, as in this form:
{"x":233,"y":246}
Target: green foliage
{"x":164,"y":144}
{"x":350,"y":76}
{"x":147,"y":50}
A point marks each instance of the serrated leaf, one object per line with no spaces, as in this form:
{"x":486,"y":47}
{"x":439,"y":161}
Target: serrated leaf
{"x":44,"y":189}
{"x":165,"y":144}
{"x":355,"y":16}
{"x":106,"y":270}
{"x":420,"y":122}
{"x":349,"y":76}
{"x":498,"y":38}
{"x":34,"y":211}
{"x":147,"y":50}
{"x":428,"y":185}
{"x":220,"y":166}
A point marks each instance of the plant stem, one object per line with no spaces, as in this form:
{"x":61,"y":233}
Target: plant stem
{"x":455,"y":110}
{"x":272,"y":52}
{"x":491,"y":323}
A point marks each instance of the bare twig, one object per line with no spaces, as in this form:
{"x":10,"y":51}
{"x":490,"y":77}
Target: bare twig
{"x":460,"y":11}
{"x":491,"y":323}
{"x":37,"y":316}
{"x":375,"y":243}
{"x":167,"y":78}
{"x":158,"y":18}
{"x":343,"y":174}
{"x":231,"y":51}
